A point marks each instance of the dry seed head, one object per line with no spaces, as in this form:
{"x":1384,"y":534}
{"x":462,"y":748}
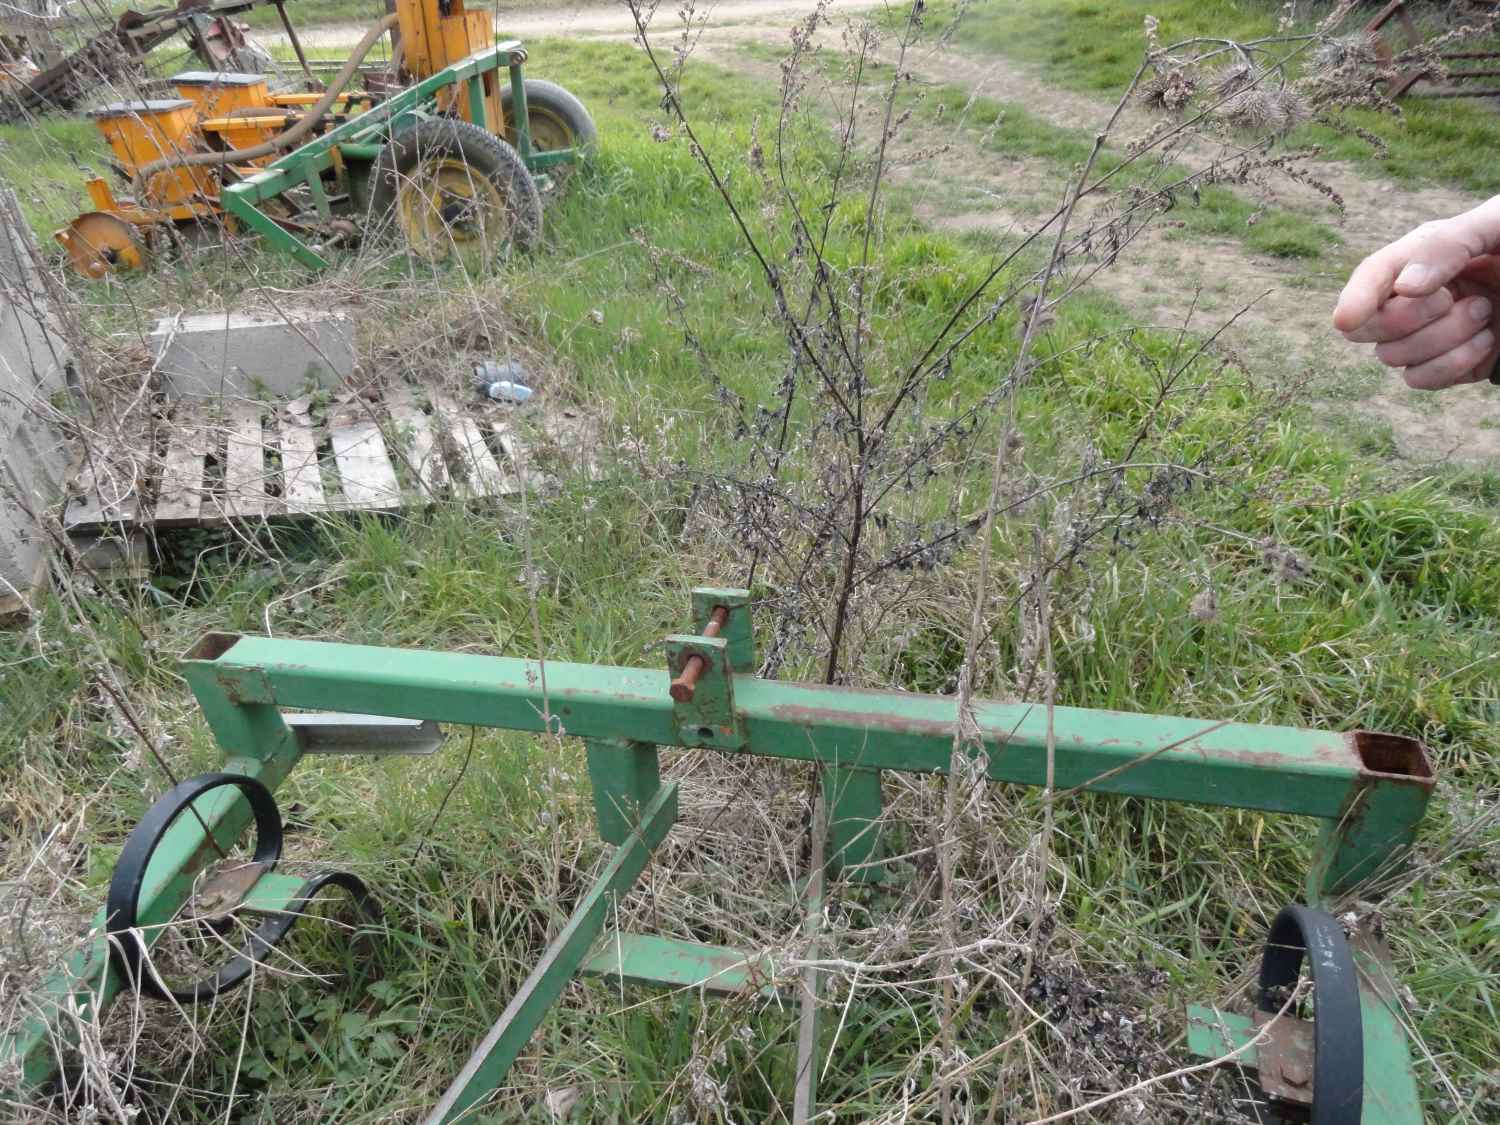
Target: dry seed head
{"x":1233,"y":79}
{"x":1170,"y":88}
{"x":1266,"y":112}
{"x":1345,"y":50}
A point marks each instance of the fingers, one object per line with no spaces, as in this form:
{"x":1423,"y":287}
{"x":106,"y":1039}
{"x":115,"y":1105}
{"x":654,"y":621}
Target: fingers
{"x":1417,"y":264}
{"x":1462,"y":323}
{"x":1400,"y":317}
{"x":1470,"y":362}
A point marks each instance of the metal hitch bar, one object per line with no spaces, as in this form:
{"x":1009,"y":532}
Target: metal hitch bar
{"x":1367,"y":790}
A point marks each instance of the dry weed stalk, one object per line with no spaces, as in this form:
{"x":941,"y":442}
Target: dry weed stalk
{"x":846,"y":471}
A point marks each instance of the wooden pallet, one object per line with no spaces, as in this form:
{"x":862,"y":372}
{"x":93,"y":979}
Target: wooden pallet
{"x":234,"y":459}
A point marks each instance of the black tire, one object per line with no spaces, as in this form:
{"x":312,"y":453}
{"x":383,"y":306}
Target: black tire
{"x":558,"y":120}
{"x":425,"y":146}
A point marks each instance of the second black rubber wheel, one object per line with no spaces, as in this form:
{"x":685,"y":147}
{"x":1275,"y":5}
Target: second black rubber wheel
{"x":448,"y":187}
{"x":557,"y":119}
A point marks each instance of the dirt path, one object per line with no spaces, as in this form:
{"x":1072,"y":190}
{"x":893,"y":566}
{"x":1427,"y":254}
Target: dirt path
{"x":1163,"y":279}
{"x":1284,"y":331}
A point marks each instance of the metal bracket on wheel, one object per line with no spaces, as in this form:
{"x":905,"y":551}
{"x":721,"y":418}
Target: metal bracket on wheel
{"x":1318,"y":1063}
{"x":250,"y":886}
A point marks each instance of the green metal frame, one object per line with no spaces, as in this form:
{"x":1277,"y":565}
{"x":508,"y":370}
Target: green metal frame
{"x":360,"y":140}
{"x":1369,"y":791}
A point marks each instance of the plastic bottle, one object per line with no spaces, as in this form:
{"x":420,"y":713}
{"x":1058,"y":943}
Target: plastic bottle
{"x":501,"y":381}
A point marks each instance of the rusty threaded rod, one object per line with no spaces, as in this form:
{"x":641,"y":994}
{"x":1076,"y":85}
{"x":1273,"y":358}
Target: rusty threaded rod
{"x":684,"y":685}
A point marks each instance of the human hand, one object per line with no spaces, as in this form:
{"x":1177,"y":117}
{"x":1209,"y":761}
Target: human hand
{"x":1430,"y":301}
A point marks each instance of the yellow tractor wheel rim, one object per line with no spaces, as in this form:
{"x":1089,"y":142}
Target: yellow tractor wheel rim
{"x":446,"y":205}
{"x":549,"y":131}
{"x":98,"y":243}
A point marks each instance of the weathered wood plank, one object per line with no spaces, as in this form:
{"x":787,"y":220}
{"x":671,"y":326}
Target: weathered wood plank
{"x":485,"y":476}
{"x":301,"y":484}
{"x":110,"y":502}
{"x":414,"y":427}
{"x":179,"y":496}
{"x":366,"y":474}
{"x":245,"y":462}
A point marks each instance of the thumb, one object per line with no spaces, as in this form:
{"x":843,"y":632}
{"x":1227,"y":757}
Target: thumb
{"x":1418,"y":264}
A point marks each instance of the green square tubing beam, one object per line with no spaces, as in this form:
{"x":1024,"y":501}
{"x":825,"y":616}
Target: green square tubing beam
{"x":1369,"y":789}
{"x":568,"y":951}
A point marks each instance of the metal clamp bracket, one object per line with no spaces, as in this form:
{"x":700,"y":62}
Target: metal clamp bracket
{"x":706,"y":717}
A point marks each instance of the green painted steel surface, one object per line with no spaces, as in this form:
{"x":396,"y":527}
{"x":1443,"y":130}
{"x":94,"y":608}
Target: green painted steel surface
{"x":709,"y":718}
{"x":1374,"y":832}
{"x":1277,"y":769}
{"x":854,"y":804}
{"x":1213,"y":1033}
{"x":625,"y":776}
{"x":521,"y":113}
{"x":738,"y":632}
{"x":487,"y":1066}
{"x":649,"y":959}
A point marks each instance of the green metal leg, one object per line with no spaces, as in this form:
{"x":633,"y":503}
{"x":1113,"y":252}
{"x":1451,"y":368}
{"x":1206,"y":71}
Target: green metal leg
{"x":487,"y":1066}
{"x":854,"y":804}
{"x":1390,"y":1082}
{"x":319,"y":194}
{"x":1377,"y":826}
{"x":275,"y":236}
{"x":625,"y":776}
{"x":477,"y":114}
{"x":519,"y":111}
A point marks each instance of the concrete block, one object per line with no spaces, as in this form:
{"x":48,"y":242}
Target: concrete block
{"x":243,"y":355}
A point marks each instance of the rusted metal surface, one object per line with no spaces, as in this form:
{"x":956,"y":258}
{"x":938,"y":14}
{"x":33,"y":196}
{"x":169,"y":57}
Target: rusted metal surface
{"x":120,"y":50}
{"x":1285,"y":1057}
{"x":225,"y":889}
{"x":683,"y":687}
{"x":1401,"y":85}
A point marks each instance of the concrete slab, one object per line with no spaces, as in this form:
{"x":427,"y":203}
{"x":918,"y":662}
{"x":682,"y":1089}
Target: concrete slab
{"x":33,"y":453}
{"x":250,"y":355}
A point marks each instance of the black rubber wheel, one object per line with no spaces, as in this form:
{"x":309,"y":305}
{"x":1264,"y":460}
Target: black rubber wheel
{"x":128,"y":950}
{"x":557,"y":119}
{"x":127,"y":947}
{"x":446,"y":185}
{"x":1299,"y":934}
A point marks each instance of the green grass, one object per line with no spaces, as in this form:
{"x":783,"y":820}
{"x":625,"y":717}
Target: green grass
{"x":48,"y":163}
{"x":1095,"y":47}
{"x":1007,"y":129}
{"x":1393,"y":629}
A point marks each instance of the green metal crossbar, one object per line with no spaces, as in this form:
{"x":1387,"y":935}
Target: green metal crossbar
{"x":1368,"y":791}
{"x":360,"y":140}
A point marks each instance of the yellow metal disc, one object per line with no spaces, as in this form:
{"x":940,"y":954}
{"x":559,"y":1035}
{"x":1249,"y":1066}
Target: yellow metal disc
{"x":98,"y":242}
{"x":445,"y":205}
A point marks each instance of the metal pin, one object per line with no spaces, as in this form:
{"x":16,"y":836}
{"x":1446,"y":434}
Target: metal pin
{"x":684,"y":685}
